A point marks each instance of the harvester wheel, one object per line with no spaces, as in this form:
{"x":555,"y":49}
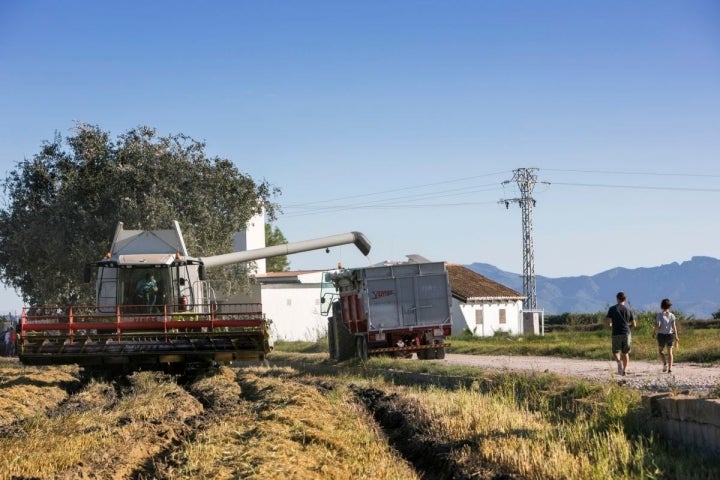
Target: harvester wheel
{"x":345,"y":346}
{"x":361,"y":347}
{"x":332,"y":343}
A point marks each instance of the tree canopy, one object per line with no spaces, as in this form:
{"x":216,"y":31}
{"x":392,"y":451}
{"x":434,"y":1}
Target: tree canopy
{"x":63,"y":205}
{"x":273,"y":236}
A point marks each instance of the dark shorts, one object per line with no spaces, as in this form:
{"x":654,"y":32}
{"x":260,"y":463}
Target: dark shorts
{"x":665,"y":340}
{"x":621,"y":343}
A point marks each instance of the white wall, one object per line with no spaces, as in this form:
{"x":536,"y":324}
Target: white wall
{"x":464,"y":317}
{"x":294,"y":310}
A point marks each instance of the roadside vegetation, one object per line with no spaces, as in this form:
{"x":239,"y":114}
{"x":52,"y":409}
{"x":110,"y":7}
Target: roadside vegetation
{"x":573,"y":336}
{"x":697,"y":344}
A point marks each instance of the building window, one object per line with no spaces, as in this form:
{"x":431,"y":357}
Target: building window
{"x":478,"y":317}
{"x":501,"y":313}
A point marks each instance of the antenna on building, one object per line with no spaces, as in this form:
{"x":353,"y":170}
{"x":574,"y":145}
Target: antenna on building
{"x":526,"y":178}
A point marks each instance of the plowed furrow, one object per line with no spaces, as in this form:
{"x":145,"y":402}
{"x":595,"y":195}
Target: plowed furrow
{"x":409,"y":430}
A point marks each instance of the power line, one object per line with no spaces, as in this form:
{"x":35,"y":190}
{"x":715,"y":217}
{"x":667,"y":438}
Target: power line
{"x":438,"y":194}
{"x":331,"y":209}
{"x":650,"y":174}
{"x":638,"y":187}
{"x":408,"y":201}
{"x":394,"y":190}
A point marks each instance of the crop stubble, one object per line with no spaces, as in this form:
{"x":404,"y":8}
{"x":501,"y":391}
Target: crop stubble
{"x":234,"y":423}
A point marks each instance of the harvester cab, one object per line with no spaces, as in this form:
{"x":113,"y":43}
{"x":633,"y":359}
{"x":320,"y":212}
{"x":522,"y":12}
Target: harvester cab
{"x":146,"y":271}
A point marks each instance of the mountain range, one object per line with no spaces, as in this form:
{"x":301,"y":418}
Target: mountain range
{"x":692,"y":286}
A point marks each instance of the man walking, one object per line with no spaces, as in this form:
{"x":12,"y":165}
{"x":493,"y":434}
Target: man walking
{"x":621,"y":319}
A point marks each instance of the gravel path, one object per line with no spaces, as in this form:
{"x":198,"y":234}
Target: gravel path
{"x":689,"y":378}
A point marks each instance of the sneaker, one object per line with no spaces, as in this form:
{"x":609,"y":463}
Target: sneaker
{"x":620,"y":368}
{"x":665,"y":369}
{"x":669,"y":370}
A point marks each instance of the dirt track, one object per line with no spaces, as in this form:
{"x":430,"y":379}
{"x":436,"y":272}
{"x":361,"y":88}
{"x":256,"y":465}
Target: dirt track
{"x":686,"y":377}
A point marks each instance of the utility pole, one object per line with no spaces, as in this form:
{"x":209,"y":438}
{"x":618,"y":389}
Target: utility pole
{"x":526,"y":179}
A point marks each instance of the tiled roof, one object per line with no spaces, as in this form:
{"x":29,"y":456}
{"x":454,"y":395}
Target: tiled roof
{"x":465,"y":284}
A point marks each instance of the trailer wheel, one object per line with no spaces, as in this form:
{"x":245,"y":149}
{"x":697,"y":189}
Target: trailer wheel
{"x":422,"y":354}
{"x":439,"y":352}
{"x":361,"y":347}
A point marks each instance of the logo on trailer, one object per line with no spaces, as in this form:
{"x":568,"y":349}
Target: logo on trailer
{"x":382,"y":293}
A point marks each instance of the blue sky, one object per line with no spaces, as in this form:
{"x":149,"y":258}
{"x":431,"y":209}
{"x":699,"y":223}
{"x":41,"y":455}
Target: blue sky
{"x":405,"y":119}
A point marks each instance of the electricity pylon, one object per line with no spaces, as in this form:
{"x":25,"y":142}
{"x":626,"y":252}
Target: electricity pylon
{"x":526,"y":179}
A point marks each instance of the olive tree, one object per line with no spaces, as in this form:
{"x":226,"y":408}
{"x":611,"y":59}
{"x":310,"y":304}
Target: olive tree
{"x":62,"y":206}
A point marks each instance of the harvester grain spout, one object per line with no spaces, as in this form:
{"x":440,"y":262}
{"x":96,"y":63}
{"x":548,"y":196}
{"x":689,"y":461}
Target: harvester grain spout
{"x":356,"y":238}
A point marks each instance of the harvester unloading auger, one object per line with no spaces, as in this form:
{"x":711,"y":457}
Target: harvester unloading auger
{"x":156,"y":310}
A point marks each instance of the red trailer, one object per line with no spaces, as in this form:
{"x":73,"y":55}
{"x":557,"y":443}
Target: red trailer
{"x":397,"y":309}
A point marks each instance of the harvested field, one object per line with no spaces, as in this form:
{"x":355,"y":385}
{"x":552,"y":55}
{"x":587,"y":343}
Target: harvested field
{"x":234,"y":423}
{"x":277,"y":422}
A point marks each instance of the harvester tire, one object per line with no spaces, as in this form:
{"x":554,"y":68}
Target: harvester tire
{"x":332,"y":341}
{"x":344,"y":339}
{"x":361,"y":347}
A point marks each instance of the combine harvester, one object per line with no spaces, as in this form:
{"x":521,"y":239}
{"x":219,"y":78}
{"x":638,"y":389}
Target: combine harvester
{"x":155,"y":310}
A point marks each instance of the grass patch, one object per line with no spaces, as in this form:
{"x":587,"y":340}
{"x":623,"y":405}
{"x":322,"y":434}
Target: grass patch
{"x":696,"y":345}
{"x":301,"y":346}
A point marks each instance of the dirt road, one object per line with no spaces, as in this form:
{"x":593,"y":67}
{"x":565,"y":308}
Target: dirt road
{"x":697,"y":379}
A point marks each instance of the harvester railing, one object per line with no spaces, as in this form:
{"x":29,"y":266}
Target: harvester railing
{"x":134,"y":330}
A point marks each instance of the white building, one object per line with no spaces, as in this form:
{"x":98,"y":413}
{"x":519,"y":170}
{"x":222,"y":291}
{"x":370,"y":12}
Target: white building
{"x":292,"y":299}
{"x":483,"y":306}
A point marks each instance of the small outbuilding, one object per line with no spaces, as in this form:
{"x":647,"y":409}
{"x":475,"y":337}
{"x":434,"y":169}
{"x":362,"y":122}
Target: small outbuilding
{"x":485,"y":307}
{"x":292,"y":301}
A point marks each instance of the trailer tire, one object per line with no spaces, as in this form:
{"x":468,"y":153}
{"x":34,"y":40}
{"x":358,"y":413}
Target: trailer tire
{"x":361,"y":347}
{"x":422,"y":354}
{"x":439,"y":352}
